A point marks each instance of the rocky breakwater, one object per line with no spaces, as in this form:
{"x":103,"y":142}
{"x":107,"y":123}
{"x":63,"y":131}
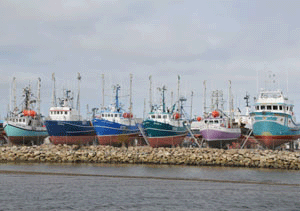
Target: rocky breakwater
{"x":148,"y":155}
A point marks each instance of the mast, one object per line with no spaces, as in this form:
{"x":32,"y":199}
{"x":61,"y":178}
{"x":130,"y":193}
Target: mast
{"x":39,"y":97}
{"x":144,"y":108}
{"x":163,"y":98}
{"x":103,"y":91}
{"x":178,"y":93}
{"x":150,"y":93}
{"x":192,"y":105}
{"x":14,"y":93}
{"x":78,"y":96}
{"x":117,"y":87}
{"x":130,"y":95}
{"x":172,"y":94}
{"x":53,"y":91}
{"x":230,"y":103}
{"x":204,"y":97}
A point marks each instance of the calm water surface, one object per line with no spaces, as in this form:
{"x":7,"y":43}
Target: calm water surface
{"x":52,"y":192}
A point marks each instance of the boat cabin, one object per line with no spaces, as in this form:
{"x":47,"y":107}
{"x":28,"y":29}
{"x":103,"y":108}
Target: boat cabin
{"x":63,"y":114}
{"x":276,"y":108}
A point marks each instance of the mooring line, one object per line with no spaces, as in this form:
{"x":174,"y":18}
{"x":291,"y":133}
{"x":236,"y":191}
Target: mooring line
{"x":146,"y":177}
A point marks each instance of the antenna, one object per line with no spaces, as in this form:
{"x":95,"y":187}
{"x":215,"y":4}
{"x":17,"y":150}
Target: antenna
{"x":39,"y":97}
{"x":78,"y":96}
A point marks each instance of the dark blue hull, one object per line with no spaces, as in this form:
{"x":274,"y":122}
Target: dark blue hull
{"x":70,"y":132}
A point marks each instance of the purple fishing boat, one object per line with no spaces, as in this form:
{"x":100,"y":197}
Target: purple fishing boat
{"x":218,"y":130}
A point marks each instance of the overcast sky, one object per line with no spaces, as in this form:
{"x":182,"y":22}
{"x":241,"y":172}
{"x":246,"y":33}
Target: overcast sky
{"x":215,"y":40}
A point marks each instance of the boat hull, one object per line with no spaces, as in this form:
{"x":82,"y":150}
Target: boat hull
{"x":115,"y":134}
{"x":164,"y":135}
{"x":272,"y":134}
{"x":117,"y":140}
{"x":166,"y":141}
{"x":70,"y":132}
{"x":220,"y":137}
{"x":18,"y":135}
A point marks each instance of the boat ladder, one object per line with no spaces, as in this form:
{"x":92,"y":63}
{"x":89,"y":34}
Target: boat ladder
{"x":190,"y":131}
{"x":246,"y":138}
{"x":143,"y":134}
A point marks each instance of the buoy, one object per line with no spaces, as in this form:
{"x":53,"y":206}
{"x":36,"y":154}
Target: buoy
{"x":176,"y":115}
{"x":29,"y":113}
{"x":215,"y":114}
{"x":128,"y":115}
{"x":199,"y":118}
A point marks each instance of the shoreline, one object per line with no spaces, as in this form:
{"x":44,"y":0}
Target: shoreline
{"x":248,"y":158}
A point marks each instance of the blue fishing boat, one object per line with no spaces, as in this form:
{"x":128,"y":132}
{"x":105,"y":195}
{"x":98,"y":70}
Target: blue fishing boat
{"x":65,"y":125}
{"x":113,"y":124}
{"x":274,"y":121}
{"x":25,"y":126}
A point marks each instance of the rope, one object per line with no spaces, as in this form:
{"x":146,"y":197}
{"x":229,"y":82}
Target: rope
{"x":147,"y":177}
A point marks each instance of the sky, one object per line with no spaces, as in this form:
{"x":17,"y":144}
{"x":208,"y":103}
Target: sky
{"x":216,"y":41}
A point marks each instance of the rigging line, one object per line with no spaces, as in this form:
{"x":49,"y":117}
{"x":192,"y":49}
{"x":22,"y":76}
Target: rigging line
{"x":147,"y":177}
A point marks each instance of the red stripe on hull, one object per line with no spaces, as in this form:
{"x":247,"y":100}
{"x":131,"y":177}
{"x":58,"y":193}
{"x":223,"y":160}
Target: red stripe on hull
{"x":80,"y":140}
{"x":117,"y":140}
{"x":275,"y":141}
{"x":26,"y":140}
{"x":168,"y":141}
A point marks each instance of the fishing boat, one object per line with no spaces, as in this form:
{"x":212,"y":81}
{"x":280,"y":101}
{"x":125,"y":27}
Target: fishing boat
{"x":219,"y":130}
{"x":65,"y":124}
{"x":164,"y":127}
{"x":274,"y":121}
{"x":25,"y":126}
{"x":113,"y":125}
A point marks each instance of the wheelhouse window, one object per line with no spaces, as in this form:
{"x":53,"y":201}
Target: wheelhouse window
{"x":287,"y":108}
{"x":291,"y":109}
{"x":269,"y":107}
{"x":23,"y":120}
{"x":116,"y":115}
{"x":280,"y":107}
{"x":257,"y":107}
{"x":205,"y":121}
{"x":102,"y":115}
{"x":216,"y":121}
{"x":66,"y":112}
{"x":153,"y":116}
{"x":275,"y":107}
{"x":165,"y":116}
{"x":262,"y":107}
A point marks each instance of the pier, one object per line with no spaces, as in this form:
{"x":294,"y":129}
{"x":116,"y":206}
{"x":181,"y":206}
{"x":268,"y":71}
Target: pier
{"x":250,"y":158}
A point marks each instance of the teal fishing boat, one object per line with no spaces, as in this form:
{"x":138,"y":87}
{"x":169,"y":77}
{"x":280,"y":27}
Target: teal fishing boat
{"x":25,"y":126}
{"x":164,"y":127}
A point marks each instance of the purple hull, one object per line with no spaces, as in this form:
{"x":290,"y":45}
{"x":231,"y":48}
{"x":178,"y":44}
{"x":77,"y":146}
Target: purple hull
{"x":220,"y":137}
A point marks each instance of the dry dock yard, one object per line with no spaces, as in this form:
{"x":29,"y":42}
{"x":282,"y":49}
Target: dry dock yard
{"x":146,"y":155}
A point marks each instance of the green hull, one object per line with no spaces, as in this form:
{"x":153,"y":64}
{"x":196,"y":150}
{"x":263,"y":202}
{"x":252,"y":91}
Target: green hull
{"x":159,"y":129}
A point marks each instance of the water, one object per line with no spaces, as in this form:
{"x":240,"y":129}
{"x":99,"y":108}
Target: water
{"x":280,"y":189}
